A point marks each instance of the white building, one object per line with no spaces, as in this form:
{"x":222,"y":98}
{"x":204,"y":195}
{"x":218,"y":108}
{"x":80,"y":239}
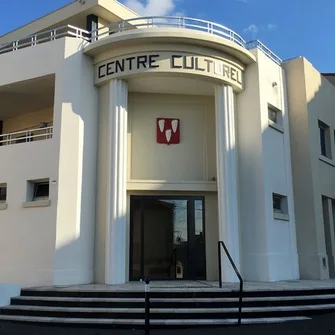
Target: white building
{"x":130,"y":146}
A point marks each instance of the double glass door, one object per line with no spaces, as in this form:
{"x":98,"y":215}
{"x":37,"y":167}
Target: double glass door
{"x":167,"y":238}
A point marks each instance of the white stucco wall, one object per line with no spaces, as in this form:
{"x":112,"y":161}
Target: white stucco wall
{"x":268,"y":244}
{"x":251,"y":183}
{"x":193,"y":159}
{"x":76,"y":99}
{"x":278,"y":171}
{"x":301,"y":170}
{"x":101,"y":187}
{"x":311,"y":98}
{"x":27,"y":235}
{"x":52,"y":245}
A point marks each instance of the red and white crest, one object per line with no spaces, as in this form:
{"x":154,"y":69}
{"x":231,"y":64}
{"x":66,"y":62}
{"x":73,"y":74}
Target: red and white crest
{"x":168,"y":131}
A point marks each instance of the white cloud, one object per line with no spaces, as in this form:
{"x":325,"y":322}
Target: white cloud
{"x":179,"y":14}
{"x":272,"y":26}
{"x":252,"y":29}
{"x":152,"y":7}
{"x":244,"y":1}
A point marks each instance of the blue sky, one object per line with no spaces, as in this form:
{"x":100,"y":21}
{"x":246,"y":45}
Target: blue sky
{"x":290,"y":28}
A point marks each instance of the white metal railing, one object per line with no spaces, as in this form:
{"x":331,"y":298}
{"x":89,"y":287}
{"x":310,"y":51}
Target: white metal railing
{"x":29,"y":135}
{"x":45,"y":36}
{"x":181,"y":22}
{"x":258,"y":44}
{"x":138,"y":23}
{"x":168,"y":21}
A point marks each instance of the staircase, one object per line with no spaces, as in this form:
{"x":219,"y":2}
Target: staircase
{"x":174,"y":308}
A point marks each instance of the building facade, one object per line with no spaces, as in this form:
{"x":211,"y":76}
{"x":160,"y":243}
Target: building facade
{"x":130,"y":146}
{"x":311,"y":104}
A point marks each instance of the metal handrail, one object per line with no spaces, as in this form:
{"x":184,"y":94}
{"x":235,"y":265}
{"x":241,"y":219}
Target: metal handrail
{"x":137,"y":23}
{"x":170,"y":21}
{"x":181,"y":22}
{"x":173,"y":257}
{"x":27,"y":135}
{"x":45,"y":36}
{"x":221,"y":244}
{"x":258,"y":44}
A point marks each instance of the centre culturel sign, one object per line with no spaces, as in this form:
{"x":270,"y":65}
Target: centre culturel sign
{"x":168,"y":62}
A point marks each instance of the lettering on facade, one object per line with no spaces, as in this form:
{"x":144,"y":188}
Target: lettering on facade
{"x":127,"y":65}
{"x":168,"y":62}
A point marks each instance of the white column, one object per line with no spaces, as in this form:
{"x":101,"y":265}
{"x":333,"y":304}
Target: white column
{"x":227,"y":178}
{"x":115,"y":267}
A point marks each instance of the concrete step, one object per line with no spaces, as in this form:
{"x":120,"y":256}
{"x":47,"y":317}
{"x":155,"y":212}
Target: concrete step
{"x":171,"y":303}
{"x":140,"y":322}
{"x":169,"y":292}
{"x":245,"y":299}
{"x":168,"y":310}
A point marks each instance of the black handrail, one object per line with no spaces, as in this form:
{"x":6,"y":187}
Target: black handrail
{"x":173,"y":257}
{"x":221,"y":243}
{"x":147,"y":307}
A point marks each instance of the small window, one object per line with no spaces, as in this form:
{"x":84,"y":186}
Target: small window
{"x":275,"y":117}
{"x":272,"y":115}
{"x":3,"y":193}
{"x":41,"y":191}
{"x":38,"y":190}
{"x":324,"y":136}
{"x":279,"y":203}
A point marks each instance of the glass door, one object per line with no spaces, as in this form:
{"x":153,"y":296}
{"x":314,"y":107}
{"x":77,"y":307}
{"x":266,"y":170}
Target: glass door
{"x":167,"y":238}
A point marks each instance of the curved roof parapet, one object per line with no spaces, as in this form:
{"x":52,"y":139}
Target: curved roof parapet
{"x":176,"y":22}
{"x":197,"y":25}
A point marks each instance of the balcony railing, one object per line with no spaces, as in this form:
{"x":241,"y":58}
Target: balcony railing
{"x":168,"y":22}
{"x":181,"y":22}
{"x":138,"y":23}
{"x":45,"y":36}
{"x":26,"y":136}
{"x":258,"y":44}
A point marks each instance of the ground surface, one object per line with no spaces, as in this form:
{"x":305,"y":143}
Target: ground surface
{"x":189,"y":285}
{"x":321,"y":325}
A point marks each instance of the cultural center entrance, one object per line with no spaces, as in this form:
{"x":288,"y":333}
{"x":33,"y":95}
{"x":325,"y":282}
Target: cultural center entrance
{"x":167,"y":237}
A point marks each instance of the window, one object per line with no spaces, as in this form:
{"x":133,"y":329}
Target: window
{"x":280,"y":206}
{"x":3,"y":193}
{"x":324,"y":135}
{"x":272,"y":115}
{"x":275,"y":118}
{"x":277,"y":203}
{"x":41,"y":191}
{"x":38,"y":190}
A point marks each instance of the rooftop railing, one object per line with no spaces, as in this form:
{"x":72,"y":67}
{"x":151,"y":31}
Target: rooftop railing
{"x":24,"y":136}
{"x":169,"y":22}
{"x":258,"y":44}
{"x":138,"y":23}
{"x":45,"y":36}
{"x":185,"y":23}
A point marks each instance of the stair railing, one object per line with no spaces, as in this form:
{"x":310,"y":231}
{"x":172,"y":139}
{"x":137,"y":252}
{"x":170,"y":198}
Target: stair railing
{"x":221,"y":244}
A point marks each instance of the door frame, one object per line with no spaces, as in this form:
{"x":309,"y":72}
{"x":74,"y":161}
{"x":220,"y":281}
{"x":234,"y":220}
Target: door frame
{"x":192,"y":219}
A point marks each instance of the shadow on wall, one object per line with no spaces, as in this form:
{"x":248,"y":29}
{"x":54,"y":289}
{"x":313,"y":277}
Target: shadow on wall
{"x":311,"y":101}
{"x":76,"y":127}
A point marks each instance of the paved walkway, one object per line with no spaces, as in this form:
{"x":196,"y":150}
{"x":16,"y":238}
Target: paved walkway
{"x":321,"y":325}
{"x":204,"y":286}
